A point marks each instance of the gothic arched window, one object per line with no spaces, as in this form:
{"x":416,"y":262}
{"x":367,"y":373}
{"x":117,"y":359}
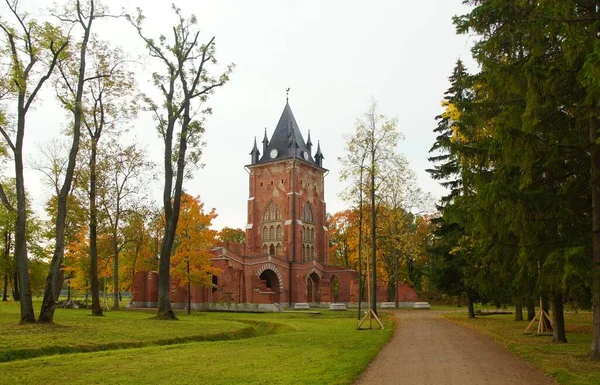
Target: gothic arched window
{"x":307,"y":213}
{"x":308,"y":235}
{"x":272,"y":212}
{"x":272,"y":229}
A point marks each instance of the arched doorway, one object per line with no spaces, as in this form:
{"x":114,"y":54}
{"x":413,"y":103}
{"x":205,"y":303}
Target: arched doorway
{"x":270,"y":285}
{"x":313,"y":294}
{"x":335,"y":289}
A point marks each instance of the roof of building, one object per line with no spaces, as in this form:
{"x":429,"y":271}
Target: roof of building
{"x":287,"y":141}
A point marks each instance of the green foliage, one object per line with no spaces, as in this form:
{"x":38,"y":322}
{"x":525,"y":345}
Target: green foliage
{"x":228,"y":234}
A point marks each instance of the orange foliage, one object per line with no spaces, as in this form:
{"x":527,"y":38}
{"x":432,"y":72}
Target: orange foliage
{"x":76,"y":263}
{"x":194,"y":239}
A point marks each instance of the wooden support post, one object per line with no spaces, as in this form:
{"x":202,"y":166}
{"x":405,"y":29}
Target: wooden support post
{"x":544,"y":326}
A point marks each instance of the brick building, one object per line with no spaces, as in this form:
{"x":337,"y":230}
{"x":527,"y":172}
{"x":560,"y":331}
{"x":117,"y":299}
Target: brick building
{"x":285,"y":257}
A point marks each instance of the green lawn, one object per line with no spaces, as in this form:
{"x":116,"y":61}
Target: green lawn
{"x":281,"y":348}
{"x":568,"y":363}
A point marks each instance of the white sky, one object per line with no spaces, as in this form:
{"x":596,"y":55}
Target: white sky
{"x":334,"y":55}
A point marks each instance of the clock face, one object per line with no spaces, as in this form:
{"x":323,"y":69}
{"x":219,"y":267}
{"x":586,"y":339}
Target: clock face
{"x":305,"y":155}
{"x":273,"y":154}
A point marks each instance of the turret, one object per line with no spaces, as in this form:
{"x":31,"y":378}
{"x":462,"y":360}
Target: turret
{"x":254,"y":154}
{"x":319,"y":155}
{"x":309,"y":144}
{"x":265,"y":142}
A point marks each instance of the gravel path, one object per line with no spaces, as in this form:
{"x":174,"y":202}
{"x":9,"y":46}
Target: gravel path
{"x":427,"y":349}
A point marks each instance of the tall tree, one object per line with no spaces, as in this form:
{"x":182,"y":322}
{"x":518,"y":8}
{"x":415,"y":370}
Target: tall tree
{"x":82,"y":15}
{"x":107,"y":103}
{"x":540,"y":61}
{"x":126,"y":172}
{"x":375,"y":140}
{"x":33,"y":51}
{"x":52,"y":163}
{"x":451,"y":168}
{"x":184,"y":88}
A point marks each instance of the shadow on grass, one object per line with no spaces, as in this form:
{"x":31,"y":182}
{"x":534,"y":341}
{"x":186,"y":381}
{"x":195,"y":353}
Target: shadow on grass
{"x":254,"y":329}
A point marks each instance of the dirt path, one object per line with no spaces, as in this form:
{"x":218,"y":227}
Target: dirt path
{"x":427,"y":349}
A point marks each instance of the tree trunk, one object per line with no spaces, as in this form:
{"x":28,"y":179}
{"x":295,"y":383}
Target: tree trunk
{"x":471,"y":305}
{"x":116,"y":289}
{"x":95,"y":283}
{"x":189,"y":288}
{"x":595,"y":351}
{"x":545,"y":303}
{"x":360,"y":244}
{"x":595,"y":174}
{"x":4,"y":292}
{"x":519,"y":311}
{"x":558,"y":319}
{"x":530,"y":309}
{"x":115,"y":274}
{"x":396,"y":299}
{"x":373,"y":235}
{"x":7,"y":264}
{"x":61,"y":281}
{"x":49,"y":301}
{"x":164,"y":291}
{"x":27,"y":313}
{"x":15,"y":287}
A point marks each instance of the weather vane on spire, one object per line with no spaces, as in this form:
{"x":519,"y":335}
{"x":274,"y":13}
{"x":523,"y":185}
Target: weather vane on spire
{"x":287,"y":94}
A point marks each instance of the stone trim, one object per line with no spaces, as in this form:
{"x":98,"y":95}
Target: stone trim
{"x":271,"y":266}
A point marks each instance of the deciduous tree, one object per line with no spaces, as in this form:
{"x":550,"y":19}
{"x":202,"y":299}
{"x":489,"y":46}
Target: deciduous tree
{"x":32,"y":52}
{"x":228,"y":234}
{"x":194,"y":239}
{"x":180,"y":114}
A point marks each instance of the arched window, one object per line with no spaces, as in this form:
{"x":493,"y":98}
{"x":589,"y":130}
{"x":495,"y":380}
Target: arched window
{"x":272,"y":249}
{"x":265,"y":249}
{"x":272,"y":212}
{"x":278,"y":250}
{"x":307,"y":213}
{"x":308,"y":235}
{"x":272,"y":232}
{"x":279,"y":232}
{"x":265,"y":233}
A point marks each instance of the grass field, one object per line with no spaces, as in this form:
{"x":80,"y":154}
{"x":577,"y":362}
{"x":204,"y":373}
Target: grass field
{"x":568,"y":363}
{"x":127,"y":347}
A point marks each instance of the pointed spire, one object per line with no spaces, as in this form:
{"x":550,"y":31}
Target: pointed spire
{"x":319,"y":155}
{"x":309,"y":144}
{"x":287,"y":95}
{"x":254,"y":153}
{"x":265,"y":142}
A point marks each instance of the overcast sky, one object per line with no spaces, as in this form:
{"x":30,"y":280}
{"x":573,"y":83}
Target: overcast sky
{"x":334,"y":55}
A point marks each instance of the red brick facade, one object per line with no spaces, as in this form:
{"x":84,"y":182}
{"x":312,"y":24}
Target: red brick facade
{"x":285,"y":258}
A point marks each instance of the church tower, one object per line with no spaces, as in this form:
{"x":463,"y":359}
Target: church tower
{"x":286,"y":206}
